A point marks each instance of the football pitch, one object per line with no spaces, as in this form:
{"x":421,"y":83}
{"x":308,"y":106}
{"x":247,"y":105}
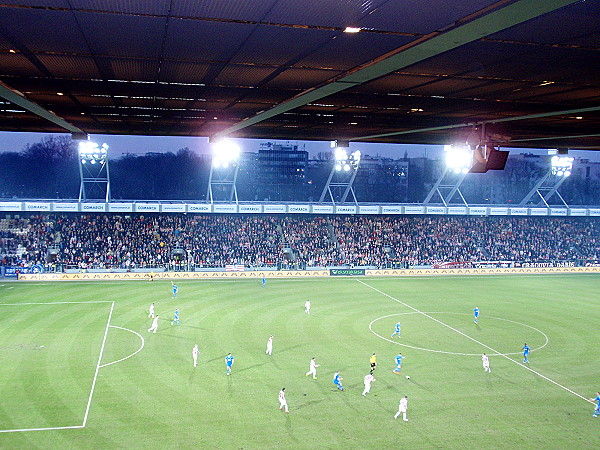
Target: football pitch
{"x":79,"y":369}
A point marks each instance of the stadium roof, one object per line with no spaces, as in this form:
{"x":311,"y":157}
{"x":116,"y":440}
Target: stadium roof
{"x":416,"y":72}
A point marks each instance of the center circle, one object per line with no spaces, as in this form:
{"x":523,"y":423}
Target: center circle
{"x":546,"y":340}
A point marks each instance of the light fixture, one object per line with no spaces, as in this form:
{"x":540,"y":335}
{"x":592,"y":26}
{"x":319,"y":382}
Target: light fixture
{"x":561,"y":166}
{"x":344,"y":161}
{"x":459,"y":158}
{"x":11,"y":51}
{"x":340,"y":154}
{"x":225,"y":153}
{"x":92,"y":153}
{"x":59,"y":93}
{"x":351,"y":30}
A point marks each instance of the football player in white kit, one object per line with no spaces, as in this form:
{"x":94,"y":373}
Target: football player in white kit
{"x":486,"y":363}
{"x":368,"y":380}
{"x":313,"y":369}
{"x":154,"y":326}
{"x":269,"y":350}
{"x":307,"y":307}
{"x":402,"y":408}
{"x":151,"y":311}
{"x":282,"y":401}
{"x":195,"y":352}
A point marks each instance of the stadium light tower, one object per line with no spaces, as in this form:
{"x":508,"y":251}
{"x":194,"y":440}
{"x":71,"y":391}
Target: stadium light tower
{"x":561,"y":167}
{"x":459,"y":160}
{"x":343,"y":173}
{"x":223,"y":172}
{"x":93,"y":171}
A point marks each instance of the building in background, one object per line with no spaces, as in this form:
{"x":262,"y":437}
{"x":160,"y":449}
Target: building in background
{"x":282,"y":169}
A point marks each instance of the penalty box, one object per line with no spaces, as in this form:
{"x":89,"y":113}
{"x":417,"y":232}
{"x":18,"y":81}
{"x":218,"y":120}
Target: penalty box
{"x":50,"y":354}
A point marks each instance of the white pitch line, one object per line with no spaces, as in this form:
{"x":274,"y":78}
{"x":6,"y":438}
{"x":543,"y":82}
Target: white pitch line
{"x":453,"y":353}
{"x":57,"y":303}
{"x":41,"y":429}
{"x":133,"y":354}
{"x":478,"y":342}
{"x":89,"y":403}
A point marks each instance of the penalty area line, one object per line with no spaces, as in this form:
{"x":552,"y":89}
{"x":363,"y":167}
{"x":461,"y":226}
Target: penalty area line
{"x":56,"y":303}
{"x":41,"y":429}
{"x":476,"y":341}
{"x":89,"y":403}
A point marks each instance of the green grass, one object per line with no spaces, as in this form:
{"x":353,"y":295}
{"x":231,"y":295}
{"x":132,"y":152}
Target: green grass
{"x":156,"y":399}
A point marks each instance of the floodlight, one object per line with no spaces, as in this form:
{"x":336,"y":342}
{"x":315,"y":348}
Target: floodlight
{"x":343,"y":172}
{"x":93,"y":170}
{"x":225,"y":152}
{"x":90,"y":152}
{"x":561,"y":166}
{"x":459,"y":159}
{"x":340,"y":154}
{"x":224,"y":170}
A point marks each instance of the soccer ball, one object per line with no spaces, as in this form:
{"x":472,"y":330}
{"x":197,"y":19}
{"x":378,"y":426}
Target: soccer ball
{"x":407,"y":377}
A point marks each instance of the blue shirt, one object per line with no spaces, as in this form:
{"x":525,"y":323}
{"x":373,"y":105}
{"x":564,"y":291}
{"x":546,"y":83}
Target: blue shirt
{"x":397,"y":328}
{"x":336,"y":378}
{"x":176,"y":316}
{"x":399,"y":360}
{"x":476,"y":312}
{"x":229,"y":360}
{"x":174,"y":289}
{"x":526,"y":350}
{"x":264,"y":281}
{"x":597,"y":399}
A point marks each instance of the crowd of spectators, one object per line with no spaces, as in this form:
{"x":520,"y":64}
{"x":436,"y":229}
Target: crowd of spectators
{"x":418,"y":240}
{"x":379,"y":240}
{"x":311,"y":241}
{"x":214,"y":241}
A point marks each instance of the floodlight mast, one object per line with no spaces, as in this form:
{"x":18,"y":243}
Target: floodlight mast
{"x":547,"y":186}
{"x":346,"y":167}
{"x":224,"y":171}
{"x":458,"y":162}
{"x":93,"y":170}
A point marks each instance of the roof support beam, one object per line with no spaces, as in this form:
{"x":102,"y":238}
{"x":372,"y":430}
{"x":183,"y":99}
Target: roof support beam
{"x":479,"y":25}
{"x":18,"y":99}
{"x":470,"y":124}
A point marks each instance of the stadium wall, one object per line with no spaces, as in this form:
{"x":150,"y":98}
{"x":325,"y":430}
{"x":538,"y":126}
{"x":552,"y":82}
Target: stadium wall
{"x":148,"y":207}
{"x":140,"y":276}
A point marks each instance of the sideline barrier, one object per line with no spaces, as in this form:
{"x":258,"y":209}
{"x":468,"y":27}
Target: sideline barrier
{"x":491,"y":271}
{"x":172,"y":276}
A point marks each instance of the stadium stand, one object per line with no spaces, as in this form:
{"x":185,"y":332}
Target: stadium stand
{"x":213,"y":241}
